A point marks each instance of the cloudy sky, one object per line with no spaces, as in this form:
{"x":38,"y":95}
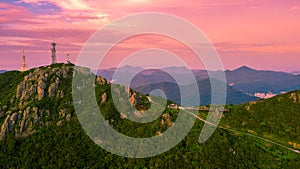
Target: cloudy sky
{"x":263,"y":34}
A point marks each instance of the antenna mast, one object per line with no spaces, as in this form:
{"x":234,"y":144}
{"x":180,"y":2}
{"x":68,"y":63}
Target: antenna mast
{"x":24,"y":65}
{"x":53,"y":51}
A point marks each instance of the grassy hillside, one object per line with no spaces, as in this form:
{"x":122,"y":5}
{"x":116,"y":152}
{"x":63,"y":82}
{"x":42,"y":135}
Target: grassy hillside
{"x":8,"y":84}
{"x":52,"y":136}
{"x":277,"y":118}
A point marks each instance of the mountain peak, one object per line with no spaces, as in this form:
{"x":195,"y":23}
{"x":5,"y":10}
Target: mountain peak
{"x":244,"y":68}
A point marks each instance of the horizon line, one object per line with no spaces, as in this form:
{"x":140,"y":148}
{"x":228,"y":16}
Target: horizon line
{"x":147,"y":67}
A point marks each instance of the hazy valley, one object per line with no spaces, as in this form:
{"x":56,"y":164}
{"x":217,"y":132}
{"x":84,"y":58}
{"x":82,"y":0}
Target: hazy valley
{"x":244,"y":84}
{"x":39,"y":127}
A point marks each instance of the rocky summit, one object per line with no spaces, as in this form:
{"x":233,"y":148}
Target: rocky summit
{"x":40,"y":129}
{"x":24,"y":114}
{"x":41,"y":99}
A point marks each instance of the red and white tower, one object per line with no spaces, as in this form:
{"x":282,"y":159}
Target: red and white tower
{"x":24,"y":65}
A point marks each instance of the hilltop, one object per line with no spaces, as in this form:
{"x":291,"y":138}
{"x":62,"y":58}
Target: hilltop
{"x":34,"y":99}
{"x":276,"y":118}
{"x":39,"y":128}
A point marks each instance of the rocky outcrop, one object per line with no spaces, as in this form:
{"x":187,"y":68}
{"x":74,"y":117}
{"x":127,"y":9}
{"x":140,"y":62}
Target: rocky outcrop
{"x":68,"y":117}
{"x":294,"y":97}
{"x":101,"y":81}
{"x":42,"y":99}
{"x":166,"y":120}
{"x":23,"y":122}
{"x":132,"y":99}
{"x":30,"y":117}
{"x":41,"y":88}
{"x":5,"y":128}
{"x":127,"y":90}
{"x":103,"y":98}
{"x":41,"y":83}
{"x":20,"y":89}
{"x":22,"y":117}
{"x":64,"y":115}
{"x":8,"y":124}
{"x":53,"y":88}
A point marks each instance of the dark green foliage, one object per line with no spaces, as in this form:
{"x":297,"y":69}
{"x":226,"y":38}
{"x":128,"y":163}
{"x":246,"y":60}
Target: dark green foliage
{"x":8,"y":85}
{"x":68,"y":146}
{"x":277,"y":117}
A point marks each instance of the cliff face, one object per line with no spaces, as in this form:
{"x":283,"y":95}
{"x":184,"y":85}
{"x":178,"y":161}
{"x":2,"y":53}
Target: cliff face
{"x":30,"y":108}
{"x":42,"y":83}
{"x":42,"y":98}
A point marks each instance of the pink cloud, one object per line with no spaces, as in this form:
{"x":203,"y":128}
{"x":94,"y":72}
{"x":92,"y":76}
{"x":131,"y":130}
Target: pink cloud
{"x":64,"y":4}
{"x":241,"y":30}
{"x":295,"y":8}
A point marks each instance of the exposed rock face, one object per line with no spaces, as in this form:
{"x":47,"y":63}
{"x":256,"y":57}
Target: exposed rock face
{"x":247,"y":108}
{"x":14,"y":118}
{"x":30,"y":117}
{"x":127,"y":90}
{"x":62,"y":113}
{"x":21,"y":87}
{"x":103,"y":98}
{"x":294,"y":97}
{"x":132,"y":99}
{"x":166,"y":119}
{"x":53,"y":88}
{"x":41,"y":99}
{"x":41,"y":88}
{"x":101,"y":81}
{"x":5,"y":128}
{"x":22,"y":119}
{"x":8,"y":124}
{"x":37,"y":83}
{"x":59,"y":123}
{"x":68,"y":117}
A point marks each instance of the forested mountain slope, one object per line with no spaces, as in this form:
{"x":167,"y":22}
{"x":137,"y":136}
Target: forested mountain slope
{"x":40,"y":129}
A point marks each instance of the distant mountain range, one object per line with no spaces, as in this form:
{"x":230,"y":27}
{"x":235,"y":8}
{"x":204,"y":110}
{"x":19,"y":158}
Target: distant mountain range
{"x":39,"y":127}
{"x":2,"y":71}
{"x":172,"y":92}
{"x":250,"y":80}
{"x":295,"y":72}
{"x":242,"y":83}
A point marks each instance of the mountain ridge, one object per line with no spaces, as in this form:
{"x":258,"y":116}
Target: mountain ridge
{"x":52,"y":137}
{"x":244,"y":79}
{"x":172,"y":91}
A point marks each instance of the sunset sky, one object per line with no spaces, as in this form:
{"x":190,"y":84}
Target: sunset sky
{"x":262,"y":34}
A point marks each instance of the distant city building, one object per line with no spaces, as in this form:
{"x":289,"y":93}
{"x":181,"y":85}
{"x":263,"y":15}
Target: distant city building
{"x":53,"y":50}
{"x":24,"y":65}
{"x":264,"y":95}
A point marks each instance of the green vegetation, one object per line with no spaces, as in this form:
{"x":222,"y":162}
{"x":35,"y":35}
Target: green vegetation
{"x":8,"y":85}
{"x":68,"y":146}
{"x":276,"y":118}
